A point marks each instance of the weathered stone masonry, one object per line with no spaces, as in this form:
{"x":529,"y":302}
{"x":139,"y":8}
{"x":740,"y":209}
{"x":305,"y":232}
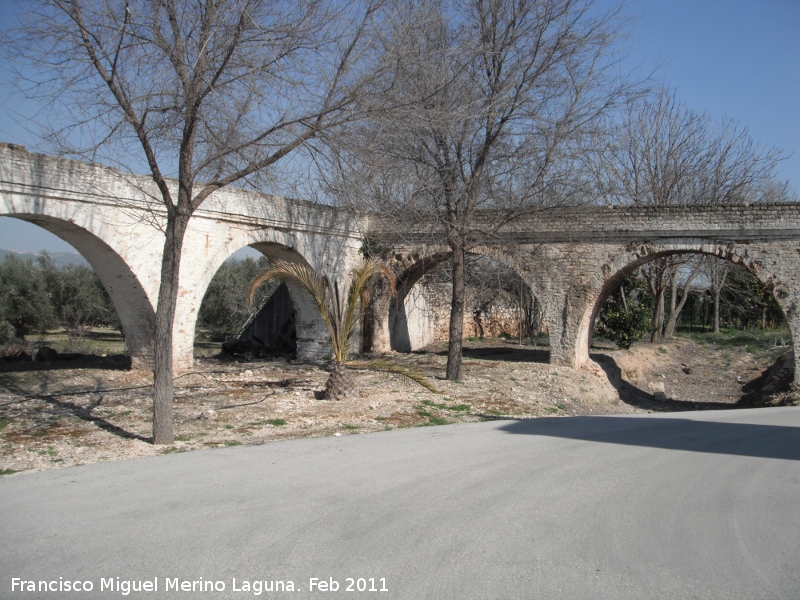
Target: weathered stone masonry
{"x":571,"y":258}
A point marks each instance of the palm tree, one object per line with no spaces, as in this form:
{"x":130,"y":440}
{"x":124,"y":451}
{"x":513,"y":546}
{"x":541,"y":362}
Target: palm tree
{"x":339,"y":313}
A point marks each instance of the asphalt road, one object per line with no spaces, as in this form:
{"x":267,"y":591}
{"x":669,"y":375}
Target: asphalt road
{"x":685,"y":505}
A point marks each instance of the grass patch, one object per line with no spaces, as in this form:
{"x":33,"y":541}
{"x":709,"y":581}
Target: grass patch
{"x":435,"y":421}
{"x":233,"y":443}
{"x":173,"y":450}
{"x":440,"y":406}
{"x":7,"y":472}
{"x":350,"y":427}
{"x":4,"y":423}
{"x":98,"y":340}
{"x":275,"y":422}
{"x":751,"y":339}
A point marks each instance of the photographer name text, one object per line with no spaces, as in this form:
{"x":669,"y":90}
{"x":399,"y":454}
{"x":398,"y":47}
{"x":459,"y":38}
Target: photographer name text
{"x":257,"y":587}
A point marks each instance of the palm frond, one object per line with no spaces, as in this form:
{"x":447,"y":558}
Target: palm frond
{"x":339,"y":314}
{"x":315,"y":287}
{"x":389,"y":367}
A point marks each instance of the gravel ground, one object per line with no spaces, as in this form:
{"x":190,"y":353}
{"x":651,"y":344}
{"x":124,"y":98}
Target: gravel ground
{"x":92,"y":409}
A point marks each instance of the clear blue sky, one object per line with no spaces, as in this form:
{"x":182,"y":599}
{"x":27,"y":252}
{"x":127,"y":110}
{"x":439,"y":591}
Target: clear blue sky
{"x":730,"y":58}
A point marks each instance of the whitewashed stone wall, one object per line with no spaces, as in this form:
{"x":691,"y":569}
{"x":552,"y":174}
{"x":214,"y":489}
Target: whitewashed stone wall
{"x":115,"y":220}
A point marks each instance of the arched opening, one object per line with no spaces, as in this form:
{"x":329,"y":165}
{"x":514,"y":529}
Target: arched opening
{"x":719,"y":337}
{"x":500,"y":307}
{"x":122,"y":286}
{"x":227,"y":322}
{"x":282,"y":320}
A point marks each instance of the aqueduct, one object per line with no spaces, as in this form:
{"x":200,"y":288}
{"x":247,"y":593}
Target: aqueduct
{"x":571,"y":258}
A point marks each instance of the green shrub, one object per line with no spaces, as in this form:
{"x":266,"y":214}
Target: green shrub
{"x":626,"y":322}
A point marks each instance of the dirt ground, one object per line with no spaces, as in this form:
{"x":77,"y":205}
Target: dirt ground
{"x":80,"y":411}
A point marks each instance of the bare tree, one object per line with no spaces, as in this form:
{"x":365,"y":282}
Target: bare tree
{"x":494,"y":98}
{"x":209,"y":92}
{"x":682,"y":278}
{"x":663,"y":153}
{"x":717,"y":273}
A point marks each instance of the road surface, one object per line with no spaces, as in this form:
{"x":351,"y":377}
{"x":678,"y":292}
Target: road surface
{"x":683,"y":505}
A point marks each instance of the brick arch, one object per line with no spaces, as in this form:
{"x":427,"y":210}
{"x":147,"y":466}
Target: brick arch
{"x":129,"y":297}
{"x":768,"y":261}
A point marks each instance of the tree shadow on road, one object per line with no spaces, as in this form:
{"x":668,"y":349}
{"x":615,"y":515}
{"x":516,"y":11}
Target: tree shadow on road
{"x":674,"y":433}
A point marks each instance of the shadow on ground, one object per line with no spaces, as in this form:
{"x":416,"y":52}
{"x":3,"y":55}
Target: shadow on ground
{"x":510,"y":353}
{"x":738,"y":439}
{"x":114,"y":362}
{"x":634,"y":396}
{"x":59,"y":407}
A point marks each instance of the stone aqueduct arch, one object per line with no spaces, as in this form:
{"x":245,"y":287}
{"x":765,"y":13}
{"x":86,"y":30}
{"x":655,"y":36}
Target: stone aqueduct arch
{"x":573,"y":258}
{"x":570,"y":258}
{"x":395,"y":333}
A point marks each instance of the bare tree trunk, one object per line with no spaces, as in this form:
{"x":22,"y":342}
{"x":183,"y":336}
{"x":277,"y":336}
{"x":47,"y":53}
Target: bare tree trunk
{"x":718,"y":282}
{"x":655,"y":280}
{"x":163,"y":432}
{"x":657,"y":289}
{"x":669,"y":329}
{"x":673,"y":291}
{"x":658,"y":317}
{"x":533,"y":318}
{"x":624,"y":298}
{"x":455,"y":349}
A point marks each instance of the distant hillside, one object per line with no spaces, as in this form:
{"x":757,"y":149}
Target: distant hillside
{"x":61,"y":259}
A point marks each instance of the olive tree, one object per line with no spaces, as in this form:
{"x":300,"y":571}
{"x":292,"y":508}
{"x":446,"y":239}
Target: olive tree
{"x":25,"y":299}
